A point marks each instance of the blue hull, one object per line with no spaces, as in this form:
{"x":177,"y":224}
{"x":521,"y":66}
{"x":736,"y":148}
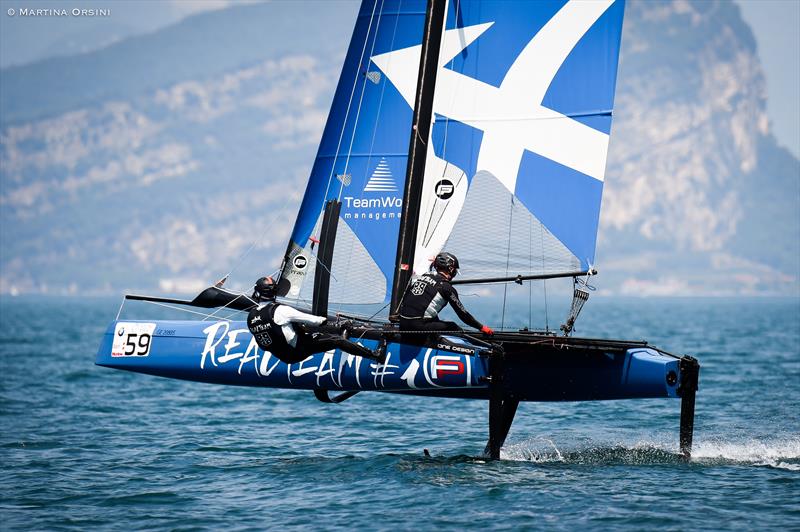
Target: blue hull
{"x":556,"y":369}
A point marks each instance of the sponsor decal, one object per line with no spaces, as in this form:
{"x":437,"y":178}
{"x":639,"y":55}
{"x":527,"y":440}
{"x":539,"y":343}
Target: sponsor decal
{"x":300,"y":262}
{"x":259,"y":328}
{"x":385,"y":208}
{"x":418,"y":288}
{"x":446,"y":365}
{"x":226,"y":345}
{"x":456,"y":349}
{"x":420,"y":284}
{"x":444,"y":189}
{"x":381,"y":179}
{"x":132,"y":339}
{"x":370,"y":206}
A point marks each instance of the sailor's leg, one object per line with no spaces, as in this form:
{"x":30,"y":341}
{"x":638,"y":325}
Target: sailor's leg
{"x":320,"y":342}
{"x":439,"y":325}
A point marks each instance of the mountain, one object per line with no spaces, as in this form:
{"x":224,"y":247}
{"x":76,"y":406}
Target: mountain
{"x":699,"y":196}
{"x":155,"y":163}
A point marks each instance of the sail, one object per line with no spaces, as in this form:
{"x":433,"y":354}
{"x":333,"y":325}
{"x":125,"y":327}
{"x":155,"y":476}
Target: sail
{"x":516,"y":159}
{"x":361,"y":162}
{"x":524,"y":96}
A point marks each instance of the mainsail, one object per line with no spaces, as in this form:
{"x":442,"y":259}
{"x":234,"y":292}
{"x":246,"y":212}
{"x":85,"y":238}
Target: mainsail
{"x":516,"y":159}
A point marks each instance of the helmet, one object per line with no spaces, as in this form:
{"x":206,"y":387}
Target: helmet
{"x":446,"y":262}
{"x":265,"y":289}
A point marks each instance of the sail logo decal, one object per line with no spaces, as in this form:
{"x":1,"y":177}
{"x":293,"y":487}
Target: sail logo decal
{"x":381,"y":179}
{"x":444,"y":189}
{"x":300,"y":262}
{"x":386,"y":207}
{"x":496,"y":110}
{"x":446,"y":365}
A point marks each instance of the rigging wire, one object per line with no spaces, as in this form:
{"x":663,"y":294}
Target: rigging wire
{"x":361,"y":97}
{"x":260,"y":238}
{"x":120,"y":309}
{"x":372,"y":141}
{"x":347,"y":112}
{"x":344,"y":122}
{"x":508,"y":259}
{"x":530,"y":282}
{"x":223,"y":307}
{"x":544,"y":282}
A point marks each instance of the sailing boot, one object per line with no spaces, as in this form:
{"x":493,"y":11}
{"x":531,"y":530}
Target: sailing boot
{"x":344,"y":327}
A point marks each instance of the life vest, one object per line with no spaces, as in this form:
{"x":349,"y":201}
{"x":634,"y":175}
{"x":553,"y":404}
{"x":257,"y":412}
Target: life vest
{"x":267,"y":333}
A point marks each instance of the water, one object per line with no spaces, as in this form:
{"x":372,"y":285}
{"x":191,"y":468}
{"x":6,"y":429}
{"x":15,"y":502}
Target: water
{"x":84,"y":446}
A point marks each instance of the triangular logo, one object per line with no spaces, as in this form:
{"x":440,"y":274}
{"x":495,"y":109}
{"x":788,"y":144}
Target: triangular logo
{"x":381,"y":179}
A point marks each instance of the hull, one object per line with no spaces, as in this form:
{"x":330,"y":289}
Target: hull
{"x":535,"y":367}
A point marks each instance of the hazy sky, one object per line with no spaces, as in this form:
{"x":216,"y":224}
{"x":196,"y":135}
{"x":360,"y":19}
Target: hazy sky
{"x":775,"y":24}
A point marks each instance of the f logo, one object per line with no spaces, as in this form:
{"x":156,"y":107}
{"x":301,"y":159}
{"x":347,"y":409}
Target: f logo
{"x":444,"y":189}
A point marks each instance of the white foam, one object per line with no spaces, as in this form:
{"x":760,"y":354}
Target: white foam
{"x":780,"y":453}
{"x":750,"y":451}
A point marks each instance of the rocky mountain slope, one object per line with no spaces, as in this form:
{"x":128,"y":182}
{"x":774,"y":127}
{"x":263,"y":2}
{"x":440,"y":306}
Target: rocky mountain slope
{"x":155,"y":163}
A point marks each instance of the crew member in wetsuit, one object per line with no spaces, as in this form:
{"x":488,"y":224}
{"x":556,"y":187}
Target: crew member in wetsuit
{"x":428,"y":293}
{"x":273,"y":326}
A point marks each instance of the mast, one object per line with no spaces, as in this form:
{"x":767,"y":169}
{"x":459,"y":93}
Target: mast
{"x":322,"y":275}
{"x":417,"y":150}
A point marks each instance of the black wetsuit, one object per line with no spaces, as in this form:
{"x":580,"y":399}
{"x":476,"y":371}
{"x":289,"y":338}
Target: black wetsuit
{"x":269,"y":337}
{"x":425,"y":297}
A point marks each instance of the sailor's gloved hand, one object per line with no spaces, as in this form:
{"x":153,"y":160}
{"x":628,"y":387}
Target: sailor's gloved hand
{"x":487,"y":330}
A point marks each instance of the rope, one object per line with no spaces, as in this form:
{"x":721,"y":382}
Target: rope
{"x":120,"y":309}
{"x":579,"y":297}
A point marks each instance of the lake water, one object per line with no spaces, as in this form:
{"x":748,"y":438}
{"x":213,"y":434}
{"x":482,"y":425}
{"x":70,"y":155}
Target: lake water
{"x":89,"y":447}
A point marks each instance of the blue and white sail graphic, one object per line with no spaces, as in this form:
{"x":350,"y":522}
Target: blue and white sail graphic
{"x":523,"y":104}
{"x":524,"y":93}
{"x":381,"y":179}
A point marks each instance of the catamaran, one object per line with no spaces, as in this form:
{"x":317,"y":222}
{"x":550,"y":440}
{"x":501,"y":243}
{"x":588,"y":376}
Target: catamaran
{"x":478,"y":127}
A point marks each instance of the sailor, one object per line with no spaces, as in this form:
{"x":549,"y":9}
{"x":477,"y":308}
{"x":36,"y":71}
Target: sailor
{"x":277,"y":328}
{"x":428,"y":293}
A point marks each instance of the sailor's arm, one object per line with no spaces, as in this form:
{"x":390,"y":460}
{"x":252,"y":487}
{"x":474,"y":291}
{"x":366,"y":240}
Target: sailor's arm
{"x":285,"y":314}
{"x":452,"y":297}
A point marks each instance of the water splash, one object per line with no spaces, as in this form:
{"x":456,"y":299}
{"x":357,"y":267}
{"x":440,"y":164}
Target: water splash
{"x":780,"y":453}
